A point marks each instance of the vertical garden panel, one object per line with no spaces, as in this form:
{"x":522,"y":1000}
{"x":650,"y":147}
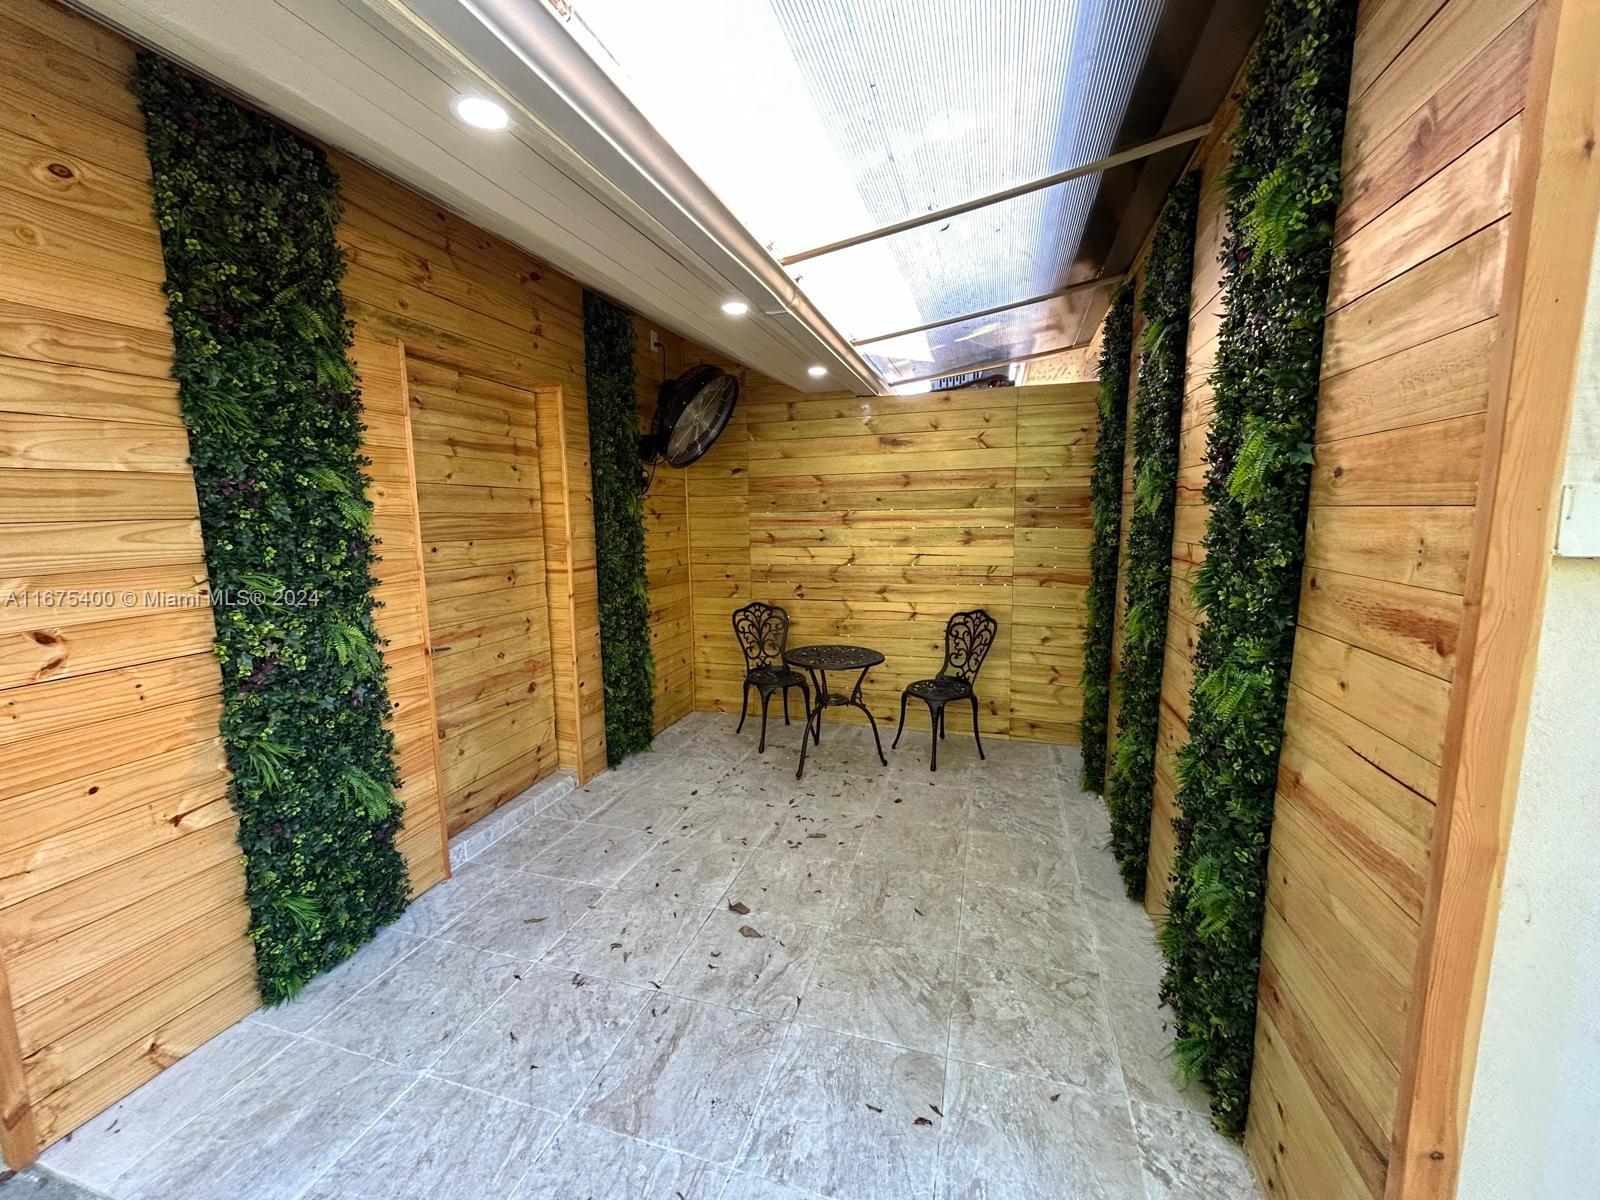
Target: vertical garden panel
{"x":247,"y":213}
{"x":627,"y":665}
{"x":1157,"y":410}
{"x":1111,"y":403}
{"x":1283,"y":190}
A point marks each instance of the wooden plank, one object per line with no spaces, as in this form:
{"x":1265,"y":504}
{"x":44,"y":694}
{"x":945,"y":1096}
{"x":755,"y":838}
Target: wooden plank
{"x":1454,"y":289}
{"x":465,"y":528}
{"x":61,"y":443}
{"x":1420,"y":545}
{"x":1470,"y":194}
{"x":1480,"y":97}
{"x":1414,"y":626}
{"x":1432,"y":381}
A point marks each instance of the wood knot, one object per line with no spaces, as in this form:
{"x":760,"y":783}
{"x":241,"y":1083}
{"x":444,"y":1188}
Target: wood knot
{"x":60,"y":170}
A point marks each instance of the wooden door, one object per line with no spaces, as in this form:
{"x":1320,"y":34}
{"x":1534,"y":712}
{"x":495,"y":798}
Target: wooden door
{"x":477,"y":471}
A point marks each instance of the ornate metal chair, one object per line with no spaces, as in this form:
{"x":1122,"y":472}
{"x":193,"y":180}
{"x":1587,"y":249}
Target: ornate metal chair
{"x":763,"y":633}
{"x":967,"y":639}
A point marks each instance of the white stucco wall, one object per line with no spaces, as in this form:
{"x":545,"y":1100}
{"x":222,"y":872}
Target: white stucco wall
{"x":1534,"y":1128}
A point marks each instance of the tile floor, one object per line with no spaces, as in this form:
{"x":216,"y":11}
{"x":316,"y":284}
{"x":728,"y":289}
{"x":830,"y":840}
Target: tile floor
{"x":698,"y":979}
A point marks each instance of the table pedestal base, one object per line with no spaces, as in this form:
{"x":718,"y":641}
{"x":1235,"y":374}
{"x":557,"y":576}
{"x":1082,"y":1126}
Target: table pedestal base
{"x":827,"y":699}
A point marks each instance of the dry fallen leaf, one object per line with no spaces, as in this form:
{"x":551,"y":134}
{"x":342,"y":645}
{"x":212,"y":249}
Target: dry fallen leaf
{"x":738,"y":906}
{"x":875,"y":1108}
{"x":748,"y":932}
{"x":922,"y":1121}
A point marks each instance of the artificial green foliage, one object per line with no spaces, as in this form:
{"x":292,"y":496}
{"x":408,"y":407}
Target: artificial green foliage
{"x":247,"y":213}
{"x":1283,"y":193}
{"x":1157,"y":422}
{"x":1105,"y":502}
{"x":626,"y":663}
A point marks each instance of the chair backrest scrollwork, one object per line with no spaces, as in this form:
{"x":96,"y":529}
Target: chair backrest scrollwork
{"x":968,"y":637}
{"x":763,"y":633}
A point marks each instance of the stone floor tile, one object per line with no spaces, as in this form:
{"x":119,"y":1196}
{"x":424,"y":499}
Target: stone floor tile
{"x":898,"y":904}
{"x":1185,"y":1159}
{"x":686,"y":1076}
{"x":439,"y":1140}
{"x":748,"y":962}
{"x":849,"y":1118}
{"x":524,"y":917}
{"x":1033,"y":862}
{"x":598,"y":854}
{"x":1143,"y":1031}
{"x":1034,"y":1021}
{"x":409,"y":1017}
{"x":629,"y":938}
{"x":1024,"y":1138}
{"x":887,"y":992}
{"x":585,"y":1162}
{"x":545,"y":1039}
{"x":938,"y":848}
{"x":1033,"y":928}
{"x":108,"y":1145}
{"x":278,"y":1131}
{"x":775,"y":884}
{"x":696,"y":868}
{"x":328,"y":991}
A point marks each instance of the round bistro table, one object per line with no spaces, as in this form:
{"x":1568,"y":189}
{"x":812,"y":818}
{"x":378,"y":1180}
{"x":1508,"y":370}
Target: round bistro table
{"x":817,"y":661}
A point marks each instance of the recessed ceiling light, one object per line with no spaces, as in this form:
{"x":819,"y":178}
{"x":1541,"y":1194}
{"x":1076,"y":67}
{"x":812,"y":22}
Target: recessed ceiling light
{"x":817,"y":372}
{"x":735,"y":308}
{"x":480,"y":112}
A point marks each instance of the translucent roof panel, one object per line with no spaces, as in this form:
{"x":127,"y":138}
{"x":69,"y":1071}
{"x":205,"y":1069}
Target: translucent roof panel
{"x":1001,"y":337}
{"x":816,"y":120}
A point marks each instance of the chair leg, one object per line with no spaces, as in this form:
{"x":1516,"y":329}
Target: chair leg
{"x":975,"y":736}
{"x":744,"y":706}
{"x":895,"y":745}
{"x":933,"y":741}
{"x":786,"y":688}
{"x":766,"y":697}
{"x":941,"y":722}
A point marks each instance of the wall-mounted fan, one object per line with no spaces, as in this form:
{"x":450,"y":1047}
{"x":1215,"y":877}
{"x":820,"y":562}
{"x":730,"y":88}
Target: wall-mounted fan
{"x":691,"y":413}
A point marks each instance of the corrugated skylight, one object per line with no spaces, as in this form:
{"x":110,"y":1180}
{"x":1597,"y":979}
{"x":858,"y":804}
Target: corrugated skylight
{"x":816,"y":120}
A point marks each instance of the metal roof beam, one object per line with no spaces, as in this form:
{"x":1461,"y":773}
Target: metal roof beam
{"x":1118,"y":158}
{"x":1087,"y":285}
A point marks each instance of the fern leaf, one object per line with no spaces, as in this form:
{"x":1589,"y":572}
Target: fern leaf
{"x":374,"y":798}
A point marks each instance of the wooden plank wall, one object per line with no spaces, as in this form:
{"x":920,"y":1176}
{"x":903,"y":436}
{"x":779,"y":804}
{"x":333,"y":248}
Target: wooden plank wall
{"x":475,"y":450}
{"x":423,"y":280}
{"x":717,"y":500}
{"x":1430,"y":152}
{"x":666,"y":508}
{"x":122,"y":919}
{"x":122,"y":914}
{"x":1057,"y":427}
{"x":871,"y":519}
